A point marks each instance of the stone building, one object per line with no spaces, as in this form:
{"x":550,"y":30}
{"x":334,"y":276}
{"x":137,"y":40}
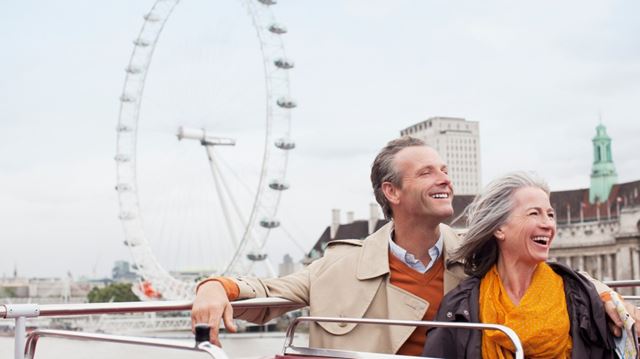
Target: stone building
{"x":599,"y":226}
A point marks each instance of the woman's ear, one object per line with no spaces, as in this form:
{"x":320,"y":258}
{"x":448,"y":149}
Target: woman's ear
{"x":499,"y":234}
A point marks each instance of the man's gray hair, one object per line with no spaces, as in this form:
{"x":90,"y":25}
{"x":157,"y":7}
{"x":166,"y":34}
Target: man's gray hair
{"x":489,"y":210}
{"x":383,"y":169}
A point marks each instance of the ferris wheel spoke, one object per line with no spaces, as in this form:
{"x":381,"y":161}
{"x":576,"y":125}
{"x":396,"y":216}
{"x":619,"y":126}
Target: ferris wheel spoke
{"x":221,"y":197}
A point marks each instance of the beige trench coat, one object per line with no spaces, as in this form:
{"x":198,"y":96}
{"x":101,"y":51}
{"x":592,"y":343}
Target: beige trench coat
{"x":352,"y":280}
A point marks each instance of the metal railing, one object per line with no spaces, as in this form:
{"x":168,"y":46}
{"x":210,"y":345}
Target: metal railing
{"x":27,"y":350}
{"x":622,"y":283}
{"x":32,"y":340}
{"x":289,"y":348}
{"x":11,"y":310}
{"x":20,"y":312}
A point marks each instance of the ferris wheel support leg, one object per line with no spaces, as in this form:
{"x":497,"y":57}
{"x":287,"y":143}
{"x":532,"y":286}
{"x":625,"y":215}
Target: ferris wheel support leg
{"x":223,"y":202}
{"x":234,"y":203}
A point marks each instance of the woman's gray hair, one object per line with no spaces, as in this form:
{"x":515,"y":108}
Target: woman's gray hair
{"x":489,"y":210}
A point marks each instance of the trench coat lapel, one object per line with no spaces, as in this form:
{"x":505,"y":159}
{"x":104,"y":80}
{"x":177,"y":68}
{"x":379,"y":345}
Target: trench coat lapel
{"x":374,"y":258}
{"x":402,"y":305}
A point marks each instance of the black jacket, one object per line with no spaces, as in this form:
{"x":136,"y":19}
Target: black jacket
{"x":589,"y":332}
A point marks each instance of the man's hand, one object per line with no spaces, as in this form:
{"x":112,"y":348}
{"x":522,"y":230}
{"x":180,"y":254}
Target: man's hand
{"x":615,"y":323}
{"x":211,"y":304}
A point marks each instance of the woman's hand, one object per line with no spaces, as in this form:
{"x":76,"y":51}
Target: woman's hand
{"x":615,"y":323}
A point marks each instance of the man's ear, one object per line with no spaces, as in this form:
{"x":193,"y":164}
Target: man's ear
{"x":390,"y":192}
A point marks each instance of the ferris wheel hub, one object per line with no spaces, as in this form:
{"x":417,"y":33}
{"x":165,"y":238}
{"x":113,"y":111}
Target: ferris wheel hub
{"x":185,"y":133}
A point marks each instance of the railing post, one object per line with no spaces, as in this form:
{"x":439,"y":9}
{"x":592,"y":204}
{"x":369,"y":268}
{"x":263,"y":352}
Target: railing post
{"x":20,"y":334}
{"x":20,"y":312}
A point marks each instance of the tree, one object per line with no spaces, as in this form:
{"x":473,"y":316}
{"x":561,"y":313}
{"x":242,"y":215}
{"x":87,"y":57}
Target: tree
{"x":115,"y":292}
{"x":7,"y":292}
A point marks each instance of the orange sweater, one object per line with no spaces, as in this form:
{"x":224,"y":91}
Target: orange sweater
{"x":428,"y":286}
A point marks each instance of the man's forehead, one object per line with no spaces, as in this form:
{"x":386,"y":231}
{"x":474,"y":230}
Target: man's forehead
{"x":418,"y":156}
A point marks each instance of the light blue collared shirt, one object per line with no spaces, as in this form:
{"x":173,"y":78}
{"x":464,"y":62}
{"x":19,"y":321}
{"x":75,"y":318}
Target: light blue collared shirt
{"x":410,"y":260}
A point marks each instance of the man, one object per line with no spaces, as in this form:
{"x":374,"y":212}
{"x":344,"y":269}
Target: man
{"x":401,"y":271}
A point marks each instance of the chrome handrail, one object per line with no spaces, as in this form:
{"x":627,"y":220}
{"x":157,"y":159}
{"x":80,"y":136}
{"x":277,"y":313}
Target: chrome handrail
{"x":139,"y":307}
{"x":32,"y":340}
{"x":622,"y":283}
{"x":20,"y":312}
{"x":289,"y":348}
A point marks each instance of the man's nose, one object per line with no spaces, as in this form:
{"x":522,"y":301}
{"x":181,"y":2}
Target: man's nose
{"x":443,"y":178}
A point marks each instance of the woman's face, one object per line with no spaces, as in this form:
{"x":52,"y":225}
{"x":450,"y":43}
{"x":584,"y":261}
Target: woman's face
{"x":530,"y":229}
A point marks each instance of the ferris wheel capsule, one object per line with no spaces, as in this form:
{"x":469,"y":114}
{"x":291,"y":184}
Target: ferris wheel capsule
{"x":126,"y":216}
{"x":278,"y":185}
{"x":133,"y":69}
{"x":131,"y":242}
{"x":277,"y":29}
{"x":123,"y":187}
{"x":141,"y":42}
{"x":127,"y":98}
{"x":151,"y":17}
{"x":122,"y":158}
{"x":285,"y":144}
{"x":124,"y":128}
{"x":283,"y":63}
{"x":269,"y":223}
{"x":286,"y":102}
{"x":256,"y":257}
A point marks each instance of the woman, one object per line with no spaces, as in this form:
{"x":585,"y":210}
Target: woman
{"x":555,"y":311}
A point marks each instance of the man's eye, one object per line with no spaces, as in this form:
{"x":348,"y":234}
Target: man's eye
{"x":551,"y":215}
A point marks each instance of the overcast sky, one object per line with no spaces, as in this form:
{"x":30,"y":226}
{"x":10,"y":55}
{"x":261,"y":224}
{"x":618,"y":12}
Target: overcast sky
{"x":536,"y":76}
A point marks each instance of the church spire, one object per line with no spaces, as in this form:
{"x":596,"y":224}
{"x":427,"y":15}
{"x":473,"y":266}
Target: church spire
{"x":603,"y":171}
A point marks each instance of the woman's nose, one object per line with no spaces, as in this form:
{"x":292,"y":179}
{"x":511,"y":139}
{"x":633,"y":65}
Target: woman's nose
{"x":548,"y":220}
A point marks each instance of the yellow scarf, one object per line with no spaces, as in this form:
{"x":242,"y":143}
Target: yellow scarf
{"x":541,"y":319}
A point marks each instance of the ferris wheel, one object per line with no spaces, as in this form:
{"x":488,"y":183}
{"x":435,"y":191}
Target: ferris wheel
{"x":247,"y":223}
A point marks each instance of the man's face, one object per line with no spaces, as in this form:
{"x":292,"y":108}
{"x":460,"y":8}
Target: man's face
{"x":426,"y":191}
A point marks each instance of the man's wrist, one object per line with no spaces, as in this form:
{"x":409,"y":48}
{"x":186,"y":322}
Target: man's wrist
{"x":229,"y":285}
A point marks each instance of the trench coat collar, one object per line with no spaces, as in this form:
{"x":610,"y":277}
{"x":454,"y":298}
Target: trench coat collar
{"x":374,"y":258}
